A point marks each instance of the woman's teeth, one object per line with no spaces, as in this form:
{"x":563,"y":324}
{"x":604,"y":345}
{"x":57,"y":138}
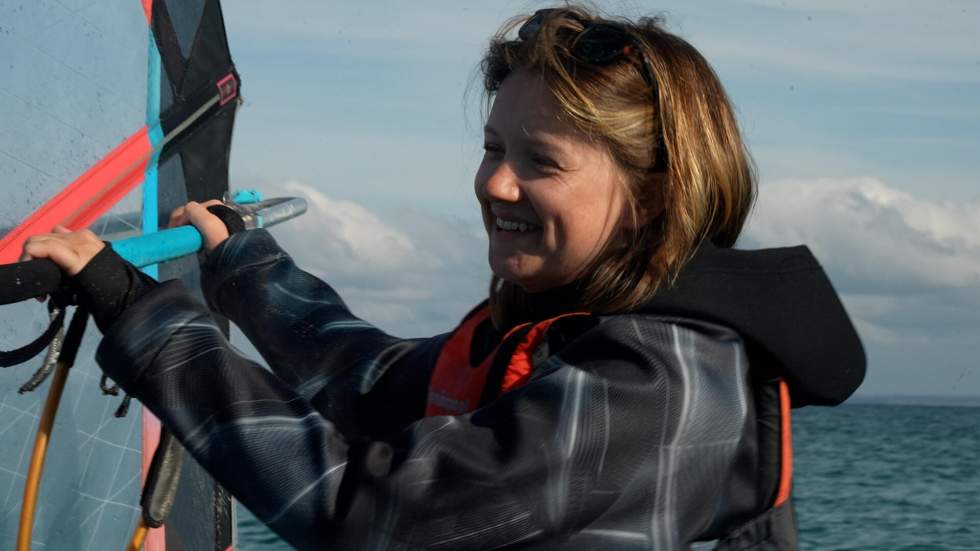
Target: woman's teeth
{"x":516,"y":226}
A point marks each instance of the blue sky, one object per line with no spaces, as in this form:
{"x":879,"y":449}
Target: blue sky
{"x":862,"y":116}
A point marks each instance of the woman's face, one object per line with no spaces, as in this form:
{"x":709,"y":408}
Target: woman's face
{"x":550,"y":197}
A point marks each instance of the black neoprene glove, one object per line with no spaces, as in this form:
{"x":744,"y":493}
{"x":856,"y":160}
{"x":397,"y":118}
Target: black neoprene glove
{"x":108,"y":284}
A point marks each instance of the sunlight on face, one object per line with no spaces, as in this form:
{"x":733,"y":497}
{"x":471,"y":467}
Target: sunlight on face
{"x":550,"y":198}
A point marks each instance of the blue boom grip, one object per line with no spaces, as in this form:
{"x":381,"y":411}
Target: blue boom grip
{"x":153,"y":248}
{"x":161,"y":246}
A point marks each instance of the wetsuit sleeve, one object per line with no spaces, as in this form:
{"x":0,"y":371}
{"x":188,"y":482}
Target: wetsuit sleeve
{"x":312,"y":341}
{"x":107,"y":285}
{"x":625,"y":439}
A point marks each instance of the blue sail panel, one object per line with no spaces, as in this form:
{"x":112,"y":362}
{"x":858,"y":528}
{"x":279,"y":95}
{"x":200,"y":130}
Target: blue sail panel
{"x":77,"y":79}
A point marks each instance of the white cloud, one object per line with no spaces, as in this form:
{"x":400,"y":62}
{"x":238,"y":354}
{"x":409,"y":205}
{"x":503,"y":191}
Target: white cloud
{"x":907,"y":269}
{"x":344,"y":229}
{"x":411,"y":273}
{"x":872,"y":237}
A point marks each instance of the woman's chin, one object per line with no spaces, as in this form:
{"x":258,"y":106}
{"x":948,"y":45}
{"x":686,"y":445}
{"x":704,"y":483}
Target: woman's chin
{"x":511,"y":270}
{"x":515,"y":246}
{"x":529,"y":280}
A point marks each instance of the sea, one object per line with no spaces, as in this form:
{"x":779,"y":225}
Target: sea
{"x":868,"y":476}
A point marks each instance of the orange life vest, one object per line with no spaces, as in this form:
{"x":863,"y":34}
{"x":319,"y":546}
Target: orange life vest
{"x":457,"y":387}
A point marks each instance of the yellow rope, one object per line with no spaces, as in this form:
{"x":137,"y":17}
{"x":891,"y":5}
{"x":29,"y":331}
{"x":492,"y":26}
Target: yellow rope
{"x":33,"y":482}
{"x":139,"y":534}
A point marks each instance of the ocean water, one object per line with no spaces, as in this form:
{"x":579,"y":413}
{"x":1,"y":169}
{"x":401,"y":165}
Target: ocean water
{"x":867,"y":477}
{"x":888,"y":477}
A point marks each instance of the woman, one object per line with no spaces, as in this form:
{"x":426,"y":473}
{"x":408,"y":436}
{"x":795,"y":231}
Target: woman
{"x":618,"y":390}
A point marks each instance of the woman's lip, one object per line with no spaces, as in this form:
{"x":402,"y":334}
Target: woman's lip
{"x":528,"y":227}
{"x":510,"y":218}
{"x":502,"y":236}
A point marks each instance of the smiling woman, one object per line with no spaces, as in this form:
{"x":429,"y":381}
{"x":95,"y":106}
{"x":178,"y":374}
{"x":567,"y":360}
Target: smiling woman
{"x":626,"y":384}
{"x":550,"y":199}
{"x":599,"y":109}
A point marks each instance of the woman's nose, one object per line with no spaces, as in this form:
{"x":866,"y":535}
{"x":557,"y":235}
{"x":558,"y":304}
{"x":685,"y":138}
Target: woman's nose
{"x":502,"y":184}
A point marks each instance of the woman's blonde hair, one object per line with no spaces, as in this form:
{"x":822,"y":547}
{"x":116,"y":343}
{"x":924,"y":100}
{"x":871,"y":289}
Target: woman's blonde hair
{"x":708,"y":188}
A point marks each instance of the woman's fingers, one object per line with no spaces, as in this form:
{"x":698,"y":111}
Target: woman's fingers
{"x":177,"y":218}
{"x":213,"y":230}
{"x":71,"y":251}
{"x":180,"y":217}
{"x":57,"y":250}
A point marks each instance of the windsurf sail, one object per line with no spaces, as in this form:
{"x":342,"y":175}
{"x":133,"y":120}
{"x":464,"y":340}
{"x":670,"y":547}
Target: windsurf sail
{"x":113,"y":113}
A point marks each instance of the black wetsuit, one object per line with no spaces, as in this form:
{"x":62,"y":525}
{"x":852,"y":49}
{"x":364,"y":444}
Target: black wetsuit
{"x":639,"y":433}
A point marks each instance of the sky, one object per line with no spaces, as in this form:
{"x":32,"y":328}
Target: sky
{"x":862,"y":117}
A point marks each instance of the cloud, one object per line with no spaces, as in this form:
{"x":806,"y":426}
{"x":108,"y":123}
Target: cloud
{"x":907,"y":269}
{"x":874,"y":238}
{"x":411,"y":273}
{"x":344,"y":229}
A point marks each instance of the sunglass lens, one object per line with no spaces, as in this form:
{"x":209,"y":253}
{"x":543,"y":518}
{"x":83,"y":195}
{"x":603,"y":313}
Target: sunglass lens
{"x":601,"y":44}
{"x":531,"y":27}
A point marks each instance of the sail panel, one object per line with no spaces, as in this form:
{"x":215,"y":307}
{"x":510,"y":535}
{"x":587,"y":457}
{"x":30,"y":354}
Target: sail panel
{"x":71,"y":90}
{"x":73,"y":87}
{"x":76,"y":81}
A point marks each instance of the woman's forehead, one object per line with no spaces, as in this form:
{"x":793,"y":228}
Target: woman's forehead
{"x":524,"y":108}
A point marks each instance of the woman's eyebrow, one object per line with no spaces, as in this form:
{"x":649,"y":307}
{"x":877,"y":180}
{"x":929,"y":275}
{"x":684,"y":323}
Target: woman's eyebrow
{"x":545,"y":141}
{"x":529,"y":138}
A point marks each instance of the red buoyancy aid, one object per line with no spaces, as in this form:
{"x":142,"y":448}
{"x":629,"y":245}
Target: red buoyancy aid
{"x":457,"y":387}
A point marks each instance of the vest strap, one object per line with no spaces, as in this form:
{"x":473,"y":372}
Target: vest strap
{"x":457,"y":385}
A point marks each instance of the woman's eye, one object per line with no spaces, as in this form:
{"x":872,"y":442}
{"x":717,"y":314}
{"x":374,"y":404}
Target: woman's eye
{"x":541,"y":161}
{"x":492,"y":149}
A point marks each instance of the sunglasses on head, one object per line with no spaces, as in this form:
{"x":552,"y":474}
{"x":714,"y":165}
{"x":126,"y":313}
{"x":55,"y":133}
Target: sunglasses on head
{"x":602,"y":43}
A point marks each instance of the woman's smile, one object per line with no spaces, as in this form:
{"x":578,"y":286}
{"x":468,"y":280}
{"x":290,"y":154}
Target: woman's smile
{"x":550,"y":197}
{"x":513,"y":229}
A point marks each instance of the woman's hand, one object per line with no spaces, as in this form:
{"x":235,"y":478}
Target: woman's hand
{"x":213,"y":230}
{"x":71,"y":251}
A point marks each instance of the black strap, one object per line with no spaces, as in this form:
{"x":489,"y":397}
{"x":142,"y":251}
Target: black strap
{"x":169,"y":45}
{"x":233,"y":221}
{"x":160,"y":490}
{"x":35,"y":347}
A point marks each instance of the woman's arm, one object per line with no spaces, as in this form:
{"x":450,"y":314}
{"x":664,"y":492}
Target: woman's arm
{"x":298,"y":323}
{"x":354,"y":376}
{"x":627,"y":437}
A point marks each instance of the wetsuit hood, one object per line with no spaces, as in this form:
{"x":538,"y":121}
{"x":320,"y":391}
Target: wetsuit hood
{"x":784,"y":306}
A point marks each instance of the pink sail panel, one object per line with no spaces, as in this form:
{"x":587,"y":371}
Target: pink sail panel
{"x":90,"y":196}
